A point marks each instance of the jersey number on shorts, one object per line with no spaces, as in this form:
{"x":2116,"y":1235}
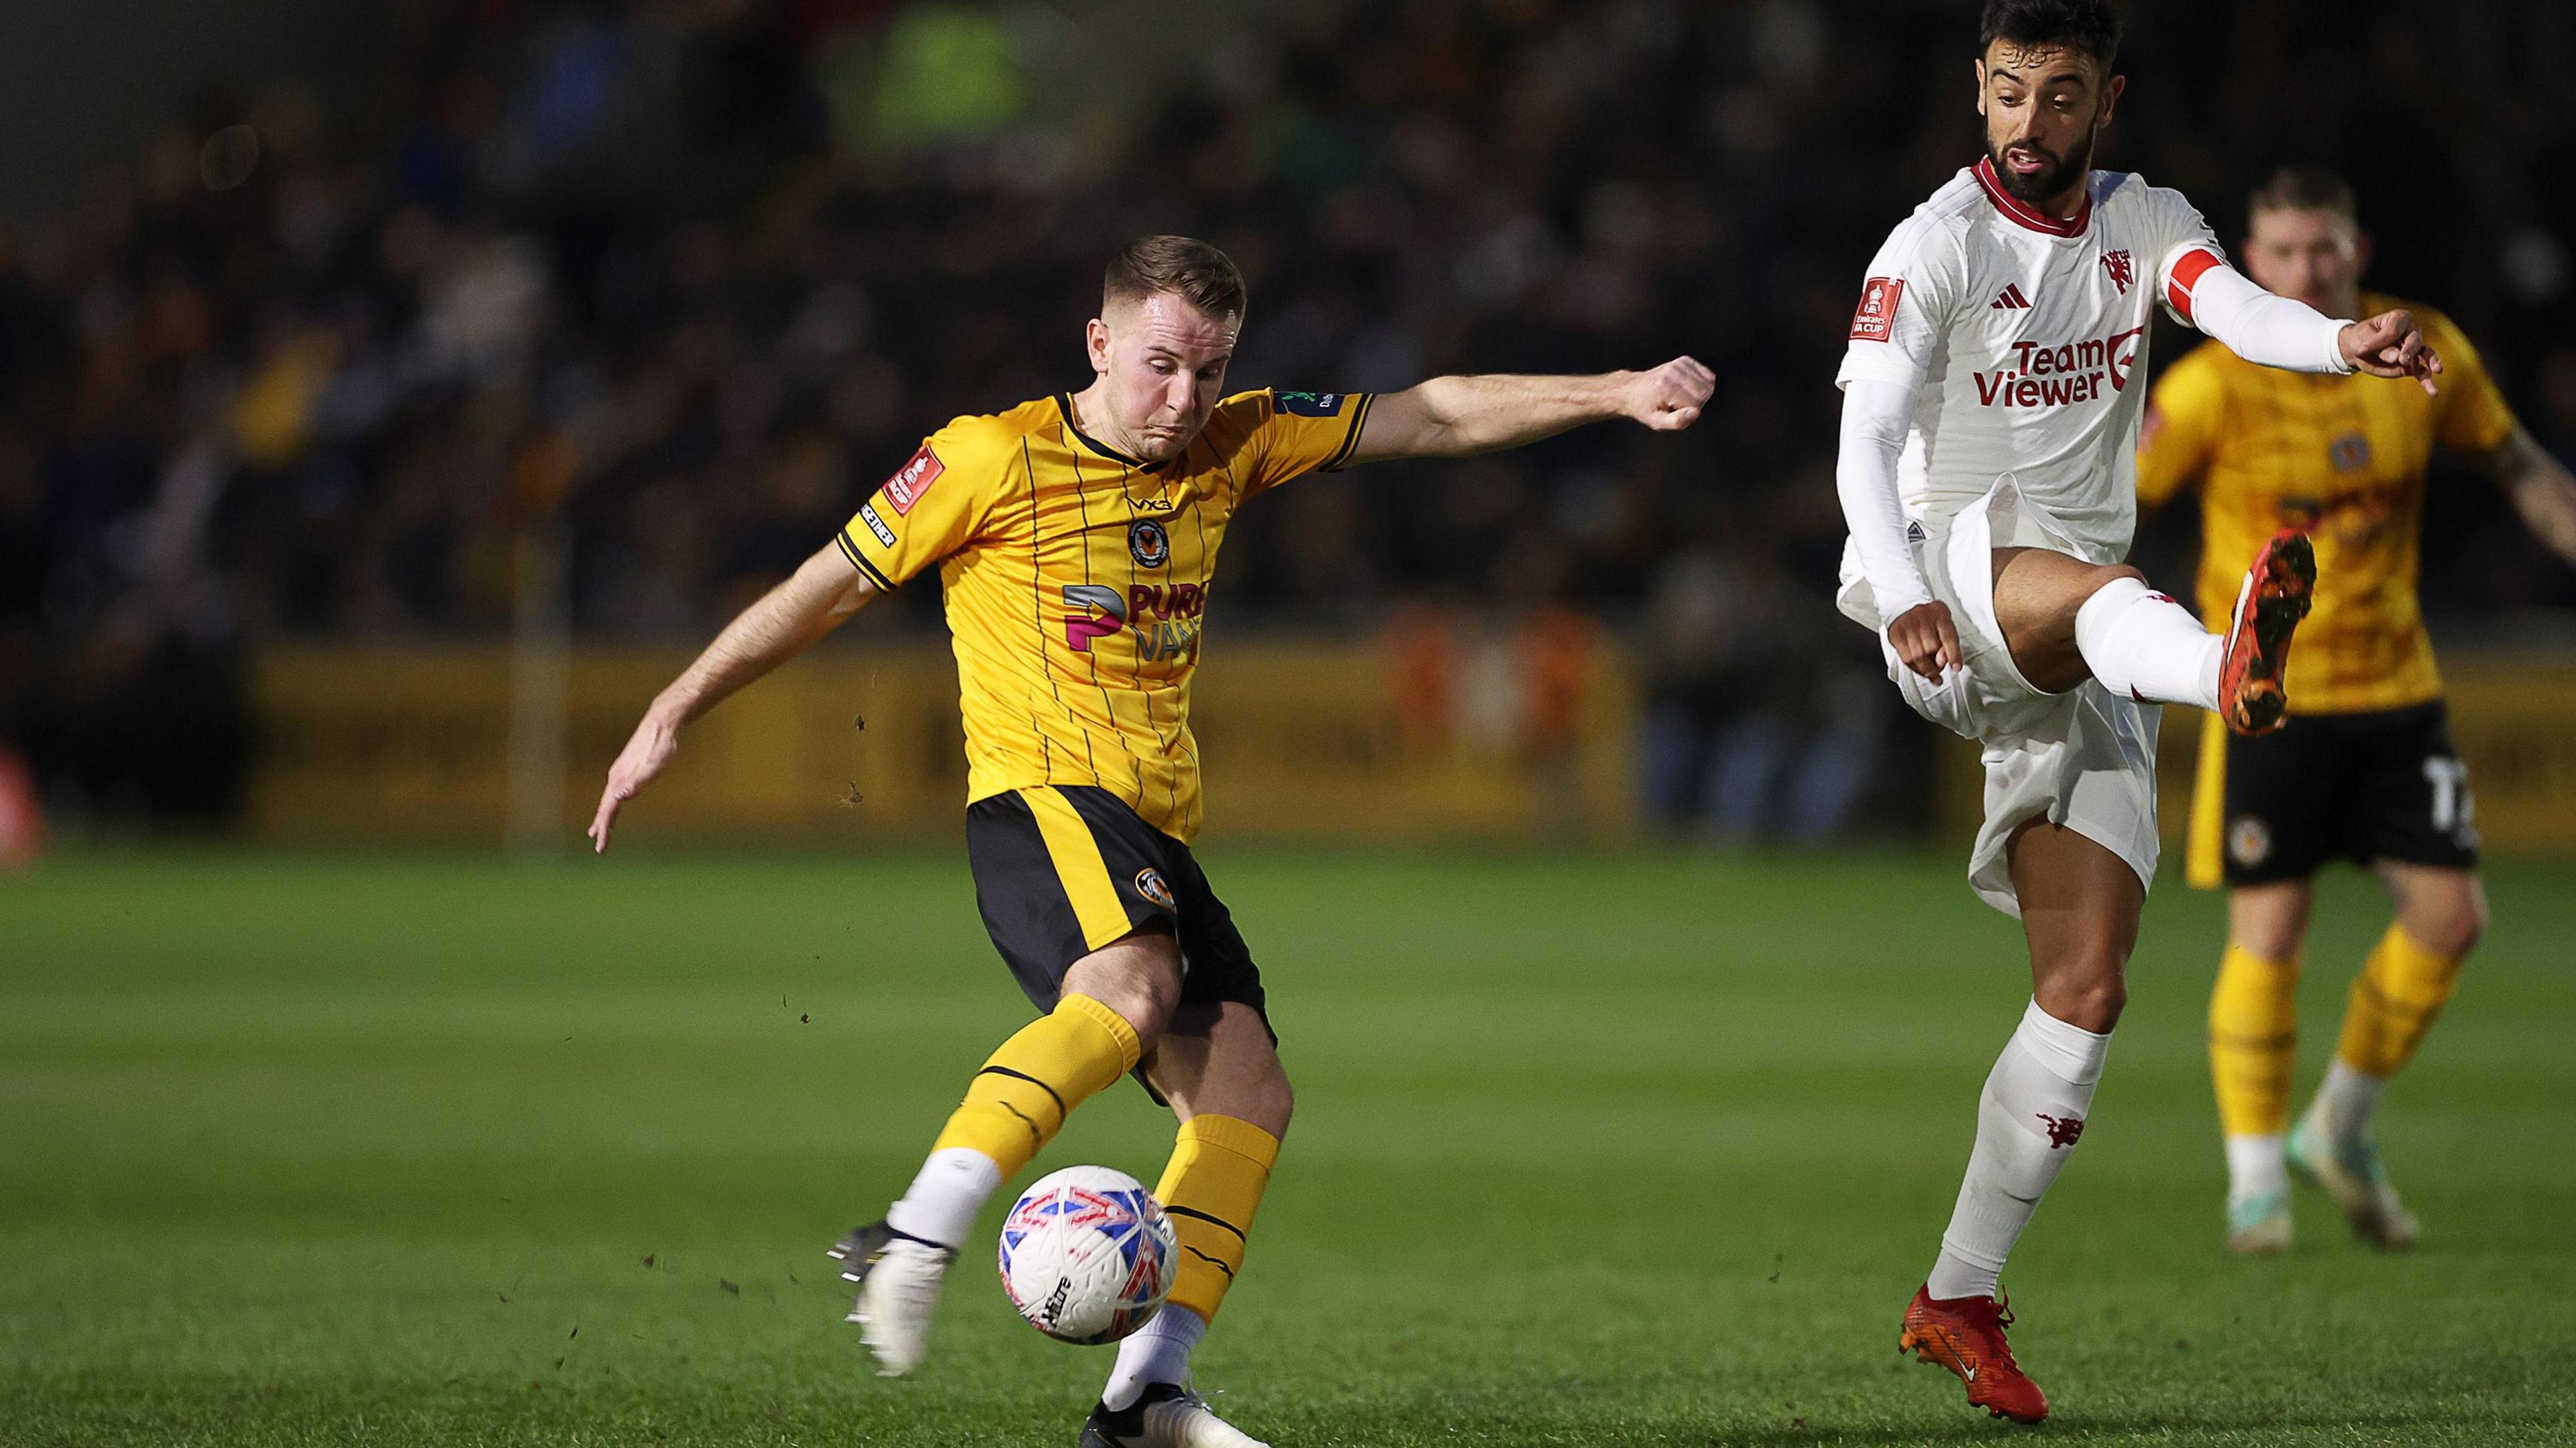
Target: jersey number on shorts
{"x":2452,"y":805}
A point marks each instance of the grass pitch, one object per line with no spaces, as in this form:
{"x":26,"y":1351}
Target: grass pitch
{"x":1617,"y":1150}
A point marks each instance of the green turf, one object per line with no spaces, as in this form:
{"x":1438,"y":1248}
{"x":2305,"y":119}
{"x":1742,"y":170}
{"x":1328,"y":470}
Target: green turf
{"x":1613,"y":1150}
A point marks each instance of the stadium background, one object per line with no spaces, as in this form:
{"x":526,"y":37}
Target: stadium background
{"x":392,"y":397}
{"x":328,"y":374}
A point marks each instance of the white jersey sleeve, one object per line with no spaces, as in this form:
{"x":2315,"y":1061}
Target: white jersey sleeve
{"x":1906,"y":305}
{"x":1897,"y":335}
{"x":2180,"y":231}
{"x":2201,"y":290}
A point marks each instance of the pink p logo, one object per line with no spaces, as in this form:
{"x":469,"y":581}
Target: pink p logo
{"x":1082,"y":626}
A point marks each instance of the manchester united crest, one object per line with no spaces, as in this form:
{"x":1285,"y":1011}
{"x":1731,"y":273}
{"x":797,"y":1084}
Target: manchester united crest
{"x":1148,"y":544}
{"x":2123,"y":270}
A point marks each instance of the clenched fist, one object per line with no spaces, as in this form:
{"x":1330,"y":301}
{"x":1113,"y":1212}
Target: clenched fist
{"x":1669,"y":398}
{"x":1926,"y":640}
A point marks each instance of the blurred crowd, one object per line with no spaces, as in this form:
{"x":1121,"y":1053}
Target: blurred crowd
{"x":667,"y":288}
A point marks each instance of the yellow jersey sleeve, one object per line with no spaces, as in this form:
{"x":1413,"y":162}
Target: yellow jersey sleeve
{"x":2184,"y":414}
{"x":1288,"y":434}
{"x":2474,"y":418}
{"x":934,"y":505}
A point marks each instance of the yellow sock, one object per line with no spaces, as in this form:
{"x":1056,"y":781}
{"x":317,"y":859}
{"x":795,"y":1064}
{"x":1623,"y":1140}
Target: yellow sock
{"x":1211,"y":1190}
{"x":2253,"y":1041}
{"x":1016,"y":1103}
{"x":2393,"y":1002}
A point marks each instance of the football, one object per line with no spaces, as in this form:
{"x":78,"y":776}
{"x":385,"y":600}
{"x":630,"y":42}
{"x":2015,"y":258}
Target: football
{"x":1087,"y":1255}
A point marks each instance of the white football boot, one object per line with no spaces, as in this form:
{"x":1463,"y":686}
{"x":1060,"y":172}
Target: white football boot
{"x":2259,"y":1226}
{"x":898,"y":1278}
{"x":1165,"y":1416}
{"x":2351,"y":1172}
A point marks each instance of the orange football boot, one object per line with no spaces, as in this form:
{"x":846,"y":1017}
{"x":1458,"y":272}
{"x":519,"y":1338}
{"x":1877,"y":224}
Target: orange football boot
{"x":2276,"y":595}
{"x":1966,"y":1335}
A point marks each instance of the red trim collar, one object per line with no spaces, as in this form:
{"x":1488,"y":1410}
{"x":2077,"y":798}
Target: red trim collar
{"x":2022,"y":214}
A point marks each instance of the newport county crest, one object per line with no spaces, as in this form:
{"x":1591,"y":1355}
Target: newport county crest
{"x":2249,"y":841}
{"x":1148,"y":544}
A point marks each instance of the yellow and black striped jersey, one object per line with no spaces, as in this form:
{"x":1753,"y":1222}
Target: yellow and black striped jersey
{"x":1076,"y":581}
{"x":2342,"y":457}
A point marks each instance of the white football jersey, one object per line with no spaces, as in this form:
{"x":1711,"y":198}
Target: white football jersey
{"x":2027,"y":336}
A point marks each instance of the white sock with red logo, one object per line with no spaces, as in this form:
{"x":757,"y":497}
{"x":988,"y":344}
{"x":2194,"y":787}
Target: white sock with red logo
{"x":2028,"y":1122}
{"x":2144,"y":646}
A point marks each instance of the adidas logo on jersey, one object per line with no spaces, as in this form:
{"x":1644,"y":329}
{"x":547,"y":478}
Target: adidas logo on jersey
{"x":2009,"y":299}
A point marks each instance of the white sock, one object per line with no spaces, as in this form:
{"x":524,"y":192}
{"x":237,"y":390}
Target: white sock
{"x":2143,"y":645}
{"x":2028,"y":1121}
{"x":943,"y":1200}
{"x":2347,"y":1101}
{"x":1158,"y":1352}
{"x":2255,"y":1169}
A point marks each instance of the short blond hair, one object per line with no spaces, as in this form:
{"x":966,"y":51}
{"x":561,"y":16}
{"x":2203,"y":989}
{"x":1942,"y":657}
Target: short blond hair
{"x":1185,"y":267}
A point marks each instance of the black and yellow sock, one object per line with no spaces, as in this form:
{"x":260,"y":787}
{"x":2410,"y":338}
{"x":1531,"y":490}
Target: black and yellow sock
{"x":2253,"y":1041}
{"x":2393,"y":1003}
{"x":1020,"y":1099}
{"x":1219,"y":1167}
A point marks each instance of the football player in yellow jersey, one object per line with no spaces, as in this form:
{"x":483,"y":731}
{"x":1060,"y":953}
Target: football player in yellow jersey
{"x":2364,"y":769}
{"x":1075,"y":538}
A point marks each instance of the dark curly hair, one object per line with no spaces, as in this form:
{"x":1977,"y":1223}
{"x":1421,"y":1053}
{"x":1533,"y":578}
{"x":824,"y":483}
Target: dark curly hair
{"x":2091,"y":26}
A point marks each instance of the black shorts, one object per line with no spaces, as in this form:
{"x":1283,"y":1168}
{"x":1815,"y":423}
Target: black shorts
{"x":1062,"y":870}
{"x":2362,"y":787}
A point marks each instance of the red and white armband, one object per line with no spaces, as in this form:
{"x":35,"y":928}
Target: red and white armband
{"x":2203,"y":291}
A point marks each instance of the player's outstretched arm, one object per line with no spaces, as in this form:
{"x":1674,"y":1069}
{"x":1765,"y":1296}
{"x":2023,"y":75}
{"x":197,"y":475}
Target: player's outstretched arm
{"x":2540,"y":487}
{"x":2275,"y":331}
{"x":783,"y":623}
{"x":1449,"y":417}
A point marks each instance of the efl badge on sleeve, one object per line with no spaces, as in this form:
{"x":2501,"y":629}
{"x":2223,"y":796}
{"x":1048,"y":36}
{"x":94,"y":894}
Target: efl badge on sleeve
{"x":1309,"y":404}
{"x":1876,"y":319}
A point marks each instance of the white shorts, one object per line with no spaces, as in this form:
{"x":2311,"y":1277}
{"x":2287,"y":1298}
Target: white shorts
{"x":2085,"y":758}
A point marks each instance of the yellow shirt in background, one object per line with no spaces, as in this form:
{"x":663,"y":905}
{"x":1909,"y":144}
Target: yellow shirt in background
{"x":2343,"y":458}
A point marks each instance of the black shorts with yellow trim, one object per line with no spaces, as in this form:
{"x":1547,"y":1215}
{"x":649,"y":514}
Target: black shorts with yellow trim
{"x":2381,"y":785}
{"x":1062,"y":870}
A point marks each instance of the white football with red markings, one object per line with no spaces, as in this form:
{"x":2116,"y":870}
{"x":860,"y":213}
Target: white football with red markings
{"x":1087,"y":1255}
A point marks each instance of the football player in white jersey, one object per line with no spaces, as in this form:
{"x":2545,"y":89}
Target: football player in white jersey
{"x":1992,"y":389}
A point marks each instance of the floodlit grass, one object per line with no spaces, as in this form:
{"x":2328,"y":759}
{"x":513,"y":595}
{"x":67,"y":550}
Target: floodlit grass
{"x":1589,"y":1150}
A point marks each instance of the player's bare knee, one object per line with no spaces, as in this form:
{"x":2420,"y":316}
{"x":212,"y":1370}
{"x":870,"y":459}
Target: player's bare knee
{"x":1154,"y":996}
{"x":1282,"y":1102}
{"x":2092,"y":1006}
{"x":2269,"y":922}
{"x":2108,"y":574}
{"x":2453,"y":928}
{"x":1139,"y":977}
{"x":1269,"y":1101}
{"x":2087,"y":988}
